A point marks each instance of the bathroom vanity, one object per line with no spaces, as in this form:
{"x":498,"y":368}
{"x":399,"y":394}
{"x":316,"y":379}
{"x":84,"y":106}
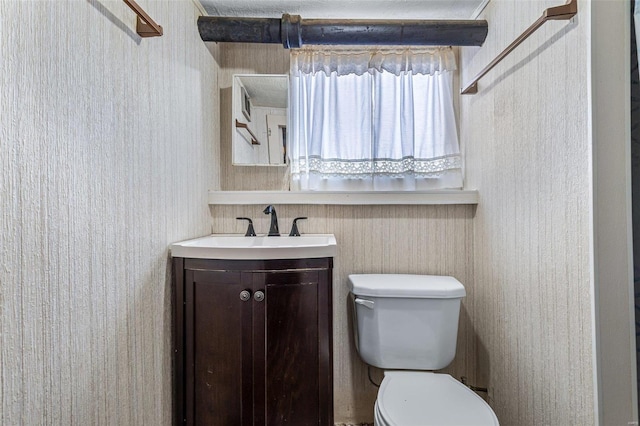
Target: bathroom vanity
{"x":253,"y":337}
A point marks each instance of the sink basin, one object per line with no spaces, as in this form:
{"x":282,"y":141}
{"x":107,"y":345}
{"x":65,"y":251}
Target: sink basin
{"x":235,"y":246}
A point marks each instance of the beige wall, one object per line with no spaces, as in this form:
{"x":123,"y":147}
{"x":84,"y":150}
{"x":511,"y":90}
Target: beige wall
{"x":107,"y":150}
{"x":527,"y":144}
{"x":378,"y":239}
{"x":371,"y":239}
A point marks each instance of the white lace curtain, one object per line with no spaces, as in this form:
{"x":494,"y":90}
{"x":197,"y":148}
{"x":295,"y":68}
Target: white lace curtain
{"x":373,"y":120}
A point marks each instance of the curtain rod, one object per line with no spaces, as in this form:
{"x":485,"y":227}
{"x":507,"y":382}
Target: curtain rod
{"x":557,"y":13}
{"x":292,"y":31}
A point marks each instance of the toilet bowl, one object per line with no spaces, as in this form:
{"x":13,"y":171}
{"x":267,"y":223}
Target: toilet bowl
{"x":415,"y":398}
{"x":407,"y":325}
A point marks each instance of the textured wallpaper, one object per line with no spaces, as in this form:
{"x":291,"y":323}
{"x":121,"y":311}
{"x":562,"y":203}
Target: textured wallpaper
{"x":527,"y":145}
{"x":108,"y":145}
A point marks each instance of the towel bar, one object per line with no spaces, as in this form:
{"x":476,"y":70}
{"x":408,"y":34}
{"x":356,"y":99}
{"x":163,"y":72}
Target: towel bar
{"x":557,"y":13}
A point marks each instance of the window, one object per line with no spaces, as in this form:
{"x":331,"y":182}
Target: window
{"x":373,"y":120}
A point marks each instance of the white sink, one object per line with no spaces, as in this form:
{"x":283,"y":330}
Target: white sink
{"x":236,"y":246}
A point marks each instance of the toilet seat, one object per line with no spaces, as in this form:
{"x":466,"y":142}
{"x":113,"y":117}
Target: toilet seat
{"x":417,"y":398}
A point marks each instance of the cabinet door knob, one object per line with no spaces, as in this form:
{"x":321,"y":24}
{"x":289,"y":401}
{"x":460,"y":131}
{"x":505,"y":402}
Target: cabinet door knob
{"x":245,"y":295}
{"x":259,"y":296}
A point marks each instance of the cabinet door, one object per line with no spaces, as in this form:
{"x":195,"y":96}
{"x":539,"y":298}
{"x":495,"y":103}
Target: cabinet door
{"x":218,"y":367}
{"x":292,"y":366}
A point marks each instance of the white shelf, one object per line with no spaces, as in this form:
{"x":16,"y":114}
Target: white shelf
{"x":450,"y":196}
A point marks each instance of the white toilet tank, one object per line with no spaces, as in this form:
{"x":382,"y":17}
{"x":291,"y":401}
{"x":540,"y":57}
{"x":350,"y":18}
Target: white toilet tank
{"x":406,"y":322}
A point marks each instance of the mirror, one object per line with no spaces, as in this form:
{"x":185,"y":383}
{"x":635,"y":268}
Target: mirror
{"x":259,"y":119}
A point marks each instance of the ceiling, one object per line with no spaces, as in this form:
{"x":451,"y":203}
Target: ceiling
{"x":347,"y":9}
{"x":266,"y":90}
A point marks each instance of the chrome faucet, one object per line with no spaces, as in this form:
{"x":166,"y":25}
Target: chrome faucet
{"x":273,"y":229}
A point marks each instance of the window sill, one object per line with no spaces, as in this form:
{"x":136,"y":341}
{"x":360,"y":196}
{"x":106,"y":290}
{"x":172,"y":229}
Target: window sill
{"x":444,"y":196}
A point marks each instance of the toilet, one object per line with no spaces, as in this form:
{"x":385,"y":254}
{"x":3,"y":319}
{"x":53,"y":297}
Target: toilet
{"x":407,"y":325}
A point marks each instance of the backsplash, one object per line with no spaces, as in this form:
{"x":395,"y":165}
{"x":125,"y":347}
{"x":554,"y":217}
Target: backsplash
{"x":378,"y":239}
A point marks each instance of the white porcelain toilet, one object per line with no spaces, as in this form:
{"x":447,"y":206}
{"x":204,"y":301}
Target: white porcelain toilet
{"x":408,"y":325}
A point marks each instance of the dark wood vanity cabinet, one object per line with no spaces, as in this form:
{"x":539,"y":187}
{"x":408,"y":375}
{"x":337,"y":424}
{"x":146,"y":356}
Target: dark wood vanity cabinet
{"x":253,"y":342}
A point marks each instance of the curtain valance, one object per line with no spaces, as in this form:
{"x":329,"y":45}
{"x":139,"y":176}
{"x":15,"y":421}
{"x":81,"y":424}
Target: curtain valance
{"x":345,"y":61}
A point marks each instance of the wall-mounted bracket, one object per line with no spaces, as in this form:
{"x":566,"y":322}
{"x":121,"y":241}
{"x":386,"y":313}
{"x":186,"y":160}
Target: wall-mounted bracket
{"x":145,"y":26}
{"x":557,"y":13}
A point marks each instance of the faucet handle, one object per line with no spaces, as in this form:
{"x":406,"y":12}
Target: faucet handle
{"x":250,"y":231}
{"x":294,"y":228}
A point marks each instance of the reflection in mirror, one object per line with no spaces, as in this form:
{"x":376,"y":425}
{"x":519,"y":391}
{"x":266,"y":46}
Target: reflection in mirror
{"x":259,"y":119}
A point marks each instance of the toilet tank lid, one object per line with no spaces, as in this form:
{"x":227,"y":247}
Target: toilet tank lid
{"x":406,"y":285}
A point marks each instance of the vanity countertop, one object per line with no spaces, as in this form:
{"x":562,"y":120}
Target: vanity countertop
{"x":239,"y":247}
